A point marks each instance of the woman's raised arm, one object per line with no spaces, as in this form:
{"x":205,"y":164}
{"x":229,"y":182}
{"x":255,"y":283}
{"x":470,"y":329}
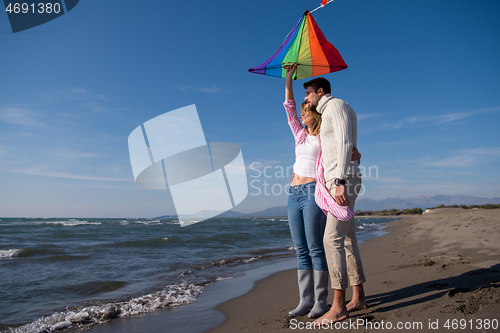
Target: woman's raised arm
{"x":290,"y":70}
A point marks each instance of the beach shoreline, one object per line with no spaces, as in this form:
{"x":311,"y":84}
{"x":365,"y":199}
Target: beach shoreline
{"x":435,"y":272}
{"x":214,"y":294}
{"x":105,"y":296}
{"x":442,"y":267}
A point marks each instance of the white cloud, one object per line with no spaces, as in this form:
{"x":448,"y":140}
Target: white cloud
{"x":68,"y":94}
{"x":42,"y":171}
{"x":20,"y":116}
{"x":363,"y":116}
{"x":465,"y":158}
{"x":209,"y":89}
{"x":426,"y":121}
{"x":62,"y":162}
{"x":383,"y":179}
{"x":86,"y":99}
{"x":67,"y":154}
{"x":102,"y":97}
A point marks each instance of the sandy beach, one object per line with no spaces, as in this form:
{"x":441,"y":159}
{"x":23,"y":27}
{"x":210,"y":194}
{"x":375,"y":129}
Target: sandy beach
{"x":438,"y":272}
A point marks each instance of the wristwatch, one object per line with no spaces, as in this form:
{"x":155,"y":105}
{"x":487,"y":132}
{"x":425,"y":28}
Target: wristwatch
{"x":339,"y":181}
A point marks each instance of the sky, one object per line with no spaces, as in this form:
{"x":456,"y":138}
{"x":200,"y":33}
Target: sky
{"x":423,"y":78}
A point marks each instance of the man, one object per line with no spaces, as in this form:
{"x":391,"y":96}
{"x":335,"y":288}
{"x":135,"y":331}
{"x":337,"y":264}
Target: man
{"x":343,"y":180}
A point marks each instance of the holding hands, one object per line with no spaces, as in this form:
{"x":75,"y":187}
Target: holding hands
{"x":356,"y":155}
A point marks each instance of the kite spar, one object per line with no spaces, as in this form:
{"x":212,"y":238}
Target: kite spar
{"x":307,"y":46}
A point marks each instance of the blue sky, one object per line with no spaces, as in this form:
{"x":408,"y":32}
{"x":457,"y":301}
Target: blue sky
{"x":423,"y":77}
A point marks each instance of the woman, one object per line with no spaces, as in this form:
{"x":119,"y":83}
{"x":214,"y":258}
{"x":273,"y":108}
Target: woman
{"x":305,"y":218}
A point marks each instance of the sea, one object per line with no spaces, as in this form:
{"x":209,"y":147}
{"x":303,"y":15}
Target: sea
{"x":59,"y":274}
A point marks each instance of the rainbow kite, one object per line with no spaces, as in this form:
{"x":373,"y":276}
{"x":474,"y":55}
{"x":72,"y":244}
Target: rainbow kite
{"x":307,"y":46}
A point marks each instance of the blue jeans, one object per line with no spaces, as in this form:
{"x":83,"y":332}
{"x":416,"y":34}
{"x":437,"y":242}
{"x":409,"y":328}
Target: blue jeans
{"x":307,"y":225}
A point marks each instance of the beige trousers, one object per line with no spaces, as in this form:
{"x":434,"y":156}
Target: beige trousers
{"x":341,"y":245}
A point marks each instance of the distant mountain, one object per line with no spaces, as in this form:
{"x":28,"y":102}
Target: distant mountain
{"x":231,"y":213}
{"x":273,"y":211}
{"x":208,"y":213}
{"x":420,"y":201}
{"x":423,"y":202}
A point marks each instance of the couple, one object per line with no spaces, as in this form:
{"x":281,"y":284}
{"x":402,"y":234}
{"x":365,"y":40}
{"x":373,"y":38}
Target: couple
{"x":326,"y":175}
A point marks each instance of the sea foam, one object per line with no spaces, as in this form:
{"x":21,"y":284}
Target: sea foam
{"x":9,"y":253}
{"x":72,"y":223}
{"x":171,"y":296}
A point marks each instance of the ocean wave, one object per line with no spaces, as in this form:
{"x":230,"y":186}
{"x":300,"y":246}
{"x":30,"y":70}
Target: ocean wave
{"x":54,"y":252}
{"x":46,"y":254}
{"x":94,"y":287}
{"x":265,"y":254}
{"x":83,"y":317}
{"x":9,"y":253}
{"x":71,"y":223}
{"x":364,"y":226}
{"x":371,"y":226}
{"x":152,"y":242}
{"x":175,"y":222}
{"x":272,"y":251}
{"x":66,"y":257}
{"x":149,"y":222}
{"x":220,"y":262}
{"x":143,"y":255}
{"x":246,"y":261}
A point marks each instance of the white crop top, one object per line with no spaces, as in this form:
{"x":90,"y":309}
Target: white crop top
{"x":306,"y":155}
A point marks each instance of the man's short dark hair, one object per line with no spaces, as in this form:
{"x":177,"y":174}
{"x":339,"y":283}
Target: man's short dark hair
{"x":319,"y":82}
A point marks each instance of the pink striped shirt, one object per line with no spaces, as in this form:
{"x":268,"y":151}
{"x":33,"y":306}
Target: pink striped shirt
{"x":322,"y":196}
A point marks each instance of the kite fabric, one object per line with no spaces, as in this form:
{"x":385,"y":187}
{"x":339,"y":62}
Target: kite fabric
{"x":307,"y":46}
{"x":324,"y":2}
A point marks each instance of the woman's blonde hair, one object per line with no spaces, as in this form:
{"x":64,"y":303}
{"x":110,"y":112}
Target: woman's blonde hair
{"x":304,"y":109}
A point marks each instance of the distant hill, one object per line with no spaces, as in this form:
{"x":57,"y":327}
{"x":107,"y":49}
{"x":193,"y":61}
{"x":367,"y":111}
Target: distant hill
{"x":420,"y":201}
{"x":273,"y":211}
{"x":206,"y":213}
{"x":231,"y":213}
{"x":423,"y":202}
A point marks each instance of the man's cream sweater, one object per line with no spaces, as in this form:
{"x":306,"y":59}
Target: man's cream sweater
{"x":339,"y":133}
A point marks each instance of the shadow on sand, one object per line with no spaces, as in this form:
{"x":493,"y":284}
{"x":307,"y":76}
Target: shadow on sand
{"x":470,"y":281}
